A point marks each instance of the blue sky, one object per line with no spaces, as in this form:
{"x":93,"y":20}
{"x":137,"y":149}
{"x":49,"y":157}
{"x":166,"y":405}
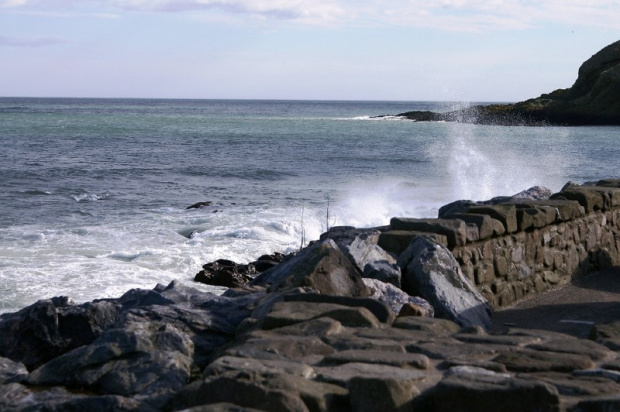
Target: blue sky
{"x":463,"y":50}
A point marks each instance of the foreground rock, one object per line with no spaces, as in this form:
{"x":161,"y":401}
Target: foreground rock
{"x":434,"y":274}
{"x":594,"y":99}
{"x":314,"y":333}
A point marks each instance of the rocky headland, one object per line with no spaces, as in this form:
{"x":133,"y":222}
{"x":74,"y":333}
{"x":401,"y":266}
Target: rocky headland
{"x":594,"y":99}
{"x":396,"y":318}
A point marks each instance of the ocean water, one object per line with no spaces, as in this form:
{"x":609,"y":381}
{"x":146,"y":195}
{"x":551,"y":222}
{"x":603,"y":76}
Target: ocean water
{"x":94,"y":191}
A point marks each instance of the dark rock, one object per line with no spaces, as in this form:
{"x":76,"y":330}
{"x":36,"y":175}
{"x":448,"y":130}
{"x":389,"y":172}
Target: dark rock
{"x":51,"y":327}
{"x":483,"y":393}
{"x":374,"y":394}
{"x":432,"y":272}
{"x":149,"y":361}
{"x":591,"y":200}
{"x":609,"y":403}
{"x":226,"y":273}
{"x":395,"y":298}
{"x":198,"y":205}
{"x":321,"y":266}
{"x":15,"y":397}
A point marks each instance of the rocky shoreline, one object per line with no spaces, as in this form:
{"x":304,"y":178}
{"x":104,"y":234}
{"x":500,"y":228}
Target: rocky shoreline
{"x":594,"y":99}
{"x":342,"y":325}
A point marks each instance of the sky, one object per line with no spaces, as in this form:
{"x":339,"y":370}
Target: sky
{"x":407,"y":50}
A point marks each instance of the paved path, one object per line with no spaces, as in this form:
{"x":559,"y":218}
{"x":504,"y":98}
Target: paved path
{"x":572,"y":309}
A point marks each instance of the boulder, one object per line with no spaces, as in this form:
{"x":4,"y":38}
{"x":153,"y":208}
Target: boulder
{"x":395,"y":298}
{"x":374,"y":394}
{"x":51,"y":327}
{"x":322,"y":267}
{"x":360,"y":246}
{"x":431,"y":272}
{"x":147,"y":361}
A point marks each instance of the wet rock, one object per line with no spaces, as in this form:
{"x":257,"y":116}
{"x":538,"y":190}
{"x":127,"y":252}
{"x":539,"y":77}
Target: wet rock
{"x":431,"y":272}
{"x":226,"y":273}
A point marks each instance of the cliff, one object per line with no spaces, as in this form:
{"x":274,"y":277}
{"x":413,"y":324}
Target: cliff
{"x":594,"y":99}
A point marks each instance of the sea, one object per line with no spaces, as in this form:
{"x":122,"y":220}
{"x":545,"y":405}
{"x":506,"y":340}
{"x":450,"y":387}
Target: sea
{"x":94,"y":193}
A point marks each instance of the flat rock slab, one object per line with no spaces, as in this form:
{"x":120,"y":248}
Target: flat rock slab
{"x":260,"y":366}
{"x":280,"y":348}
{"x":527,"y":360}
{"x":419,"y":323}
{"x":489,"y":394}
{"x":342,"y":374}
{"x":290,"y":313}
{"x":402,"y":360}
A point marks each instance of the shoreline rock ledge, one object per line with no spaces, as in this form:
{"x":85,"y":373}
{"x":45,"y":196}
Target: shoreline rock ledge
{"x":594,"y":99}
{"x":342,"y":325}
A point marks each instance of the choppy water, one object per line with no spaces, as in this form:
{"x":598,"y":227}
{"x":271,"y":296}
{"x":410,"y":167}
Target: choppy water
{"x":94,"y":192}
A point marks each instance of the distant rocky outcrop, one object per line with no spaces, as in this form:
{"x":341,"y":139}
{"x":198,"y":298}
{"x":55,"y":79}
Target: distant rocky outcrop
{"x":594,"y":99}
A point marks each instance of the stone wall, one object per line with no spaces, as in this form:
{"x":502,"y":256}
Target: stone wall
{"x":515,"y":248}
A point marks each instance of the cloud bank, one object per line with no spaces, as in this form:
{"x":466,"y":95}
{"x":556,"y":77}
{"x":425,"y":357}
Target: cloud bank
{"x":454,"y":15}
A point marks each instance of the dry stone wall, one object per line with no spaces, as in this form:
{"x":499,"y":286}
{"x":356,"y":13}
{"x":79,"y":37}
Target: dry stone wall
{"x":518,"y":248}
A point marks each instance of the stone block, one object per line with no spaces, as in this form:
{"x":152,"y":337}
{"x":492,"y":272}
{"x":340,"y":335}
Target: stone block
{"x":506,"y":214}
{"x":590,"y":199}
{"x":396,"y":241}
{"x":455,"y":230}
{"x":483,"y":222}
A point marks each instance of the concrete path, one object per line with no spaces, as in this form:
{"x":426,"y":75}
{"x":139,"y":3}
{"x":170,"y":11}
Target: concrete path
{"x":572,"y":309}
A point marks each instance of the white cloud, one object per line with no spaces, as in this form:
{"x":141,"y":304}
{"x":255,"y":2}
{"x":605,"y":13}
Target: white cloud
{"x":454,"y":15}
